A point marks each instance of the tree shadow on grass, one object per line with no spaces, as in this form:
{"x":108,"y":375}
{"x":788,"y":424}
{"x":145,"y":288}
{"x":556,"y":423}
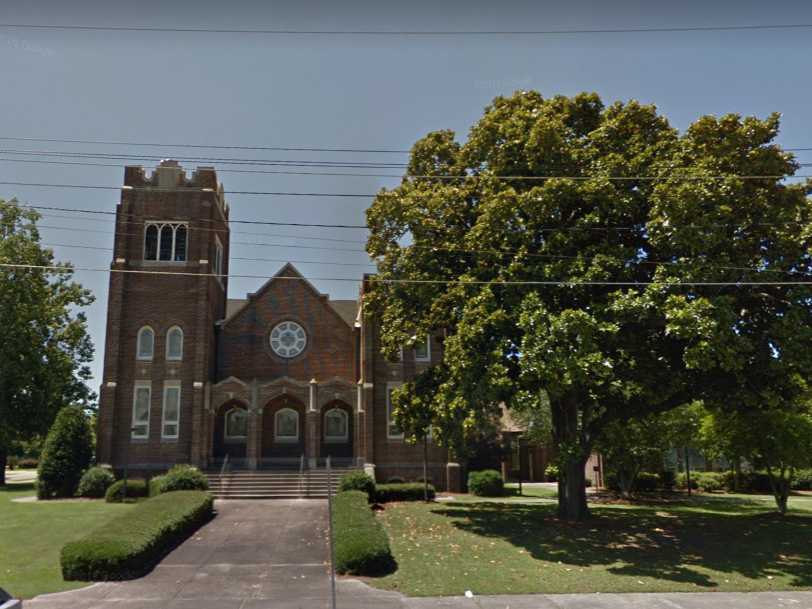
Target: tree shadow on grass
{"x":16,"y":487}
{"x":657,"y":542}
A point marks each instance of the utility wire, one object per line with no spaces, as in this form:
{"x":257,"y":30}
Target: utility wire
{"x":497,"y":252}
{"x":374,"y":279}
{"x":419,"y":33}
{"x":225,"y":147}
{"x":486,"y":176}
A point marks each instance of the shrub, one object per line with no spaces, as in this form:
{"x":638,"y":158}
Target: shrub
{"x":131,"y":544}
{"x":682,"y":481}
{"x":12,"y":462}
{"x":646,"y":482}
{"x":67,"y":453}
{"x":402,"y":491}
{"x":587,"y":482}
{"x":28,"y":463}
{"x":395,"y":480}
{"x":551,"y":472}
{"x":710,"y":482}
{"x":183,"y":478}
{"x":360,"y":541}
{"x":755,"y":482}
{"x":802,"y":480}
{"x":358,"y":481}
{"x":154,"y":485}
{"x":611,"y":481}
{"x":486,"y":483}
{"x":668,"y":479}
{"x":95,"y":482}
{"x":135,"y":488}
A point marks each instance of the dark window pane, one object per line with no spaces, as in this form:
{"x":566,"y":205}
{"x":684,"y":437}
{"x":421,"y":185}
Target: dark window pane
{"x":166,"y":243}
{"x":151,"y":243}
{"x":180,"y":244}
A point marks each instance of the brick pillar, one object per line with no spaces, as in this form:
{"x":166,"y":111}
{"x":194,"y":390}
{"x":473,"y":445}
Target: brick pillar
{"x":198,"y":412}
{"x":252,"y":449}
{"x":359,"y":437}
{"x":312,"y":426}
{"x":104,"y":431}
{"x":453,"y":478}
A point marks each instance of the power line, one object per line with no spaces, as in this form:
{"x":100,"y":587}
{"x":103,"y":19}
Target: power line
{"x":204,"y":146}
{"x":497,"y":252}
{"x":227,"y":146}
{"x":420,"y":33}
{"x":242,"y":259}
{"x":374,"y":279}
{"x":344,"y":195}
{"x":361,"y":175}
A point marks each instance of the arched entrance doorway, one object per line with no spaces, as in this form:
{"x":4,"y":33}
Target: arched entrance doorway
{"x":230,"y":431}
{"x":336,"y":431}
{"x":283,"y":430}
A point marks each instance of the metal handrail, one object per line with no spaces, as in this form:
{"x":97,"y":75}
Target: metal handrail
{"x":223,"y":470}
{"x":301,"y":475}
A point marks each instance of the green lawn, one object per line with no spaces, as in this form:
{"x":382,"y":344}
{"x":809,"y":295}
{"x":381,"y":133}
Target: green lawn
{"x":725,"y":543}
{"x":32,"y":535}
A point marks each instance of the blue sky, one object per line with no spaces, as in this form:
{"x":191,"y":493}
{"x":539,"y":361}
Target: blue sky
{"x":361,"y":92}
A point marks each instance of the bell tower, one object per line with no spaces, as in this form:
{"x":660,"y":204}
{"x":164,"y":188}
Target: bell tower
{"x":168,"y":287}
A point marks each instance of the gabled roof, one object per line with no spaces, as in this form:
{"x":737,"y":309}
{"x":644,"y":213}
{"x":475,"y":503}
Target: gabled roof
{"x":344,"y":309}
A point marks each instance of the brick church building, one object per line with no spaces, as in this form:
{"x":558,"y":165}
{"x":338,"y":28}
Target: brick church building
{"x":193,"y":376}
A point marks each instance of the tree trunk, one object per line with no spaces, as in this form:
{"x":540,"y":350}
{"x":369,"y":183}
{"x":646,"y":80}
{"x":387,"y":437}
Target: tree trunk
{"x":3,"y":459}
{"x":780,"y":485}
{"x":572,"y":491}
{"x":426,"y":468}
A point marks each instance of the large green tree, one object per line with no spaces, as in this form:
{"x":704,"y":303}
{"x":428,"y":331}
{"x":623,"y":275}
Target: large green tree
{"x":559,"y":250}
{"x":45,"y":347}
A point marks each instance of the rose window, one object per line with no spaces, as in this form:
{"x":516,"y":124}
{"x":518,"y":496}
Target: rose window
{"x":288,"y":339}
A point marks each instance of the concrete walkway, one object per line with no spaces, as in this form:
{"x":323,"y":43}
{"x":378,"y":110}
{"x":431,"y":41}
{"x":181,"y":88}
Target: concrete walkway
{"x":274,"y":554}
{"x":255,"y":554}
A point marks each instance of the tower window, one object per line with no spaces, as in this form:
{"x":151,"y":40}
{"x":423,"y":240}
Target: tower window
{"x":174,"y":343}
{"x":167,"y":242}
{"x":146,"y":343}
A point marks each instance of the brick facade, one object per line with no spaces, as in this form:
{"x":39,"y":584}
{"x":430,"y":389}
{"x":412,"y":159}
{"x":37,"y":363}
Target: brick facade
{"x":237,"y":396}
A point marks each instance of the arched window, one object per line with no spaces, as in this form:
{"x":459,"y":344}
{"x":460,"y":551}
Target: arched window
{"x":151,"y":242}
{"x":286,"y":425}
{"x":236,"y":427}
{"x":174,"y":344}
{"x":146,"y":343}
{"x":336,"y":428}
{"x":180,"y":243}
{"x":166,"y":245}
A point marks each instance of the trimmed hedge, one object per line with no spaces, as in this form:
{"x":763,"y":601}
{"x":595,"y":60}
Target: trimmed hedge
{"x":181,"y":478}
{"x":486,"y":483}
{"x":802,"y":480}
{"x":154,"y":485}
{"x":95,"y":482}
{"x":360,"y":541}
{"x":131,"y":544}
{"x":135,"y":488}
{"x":358,"y":481}
{"x":402,"y":491}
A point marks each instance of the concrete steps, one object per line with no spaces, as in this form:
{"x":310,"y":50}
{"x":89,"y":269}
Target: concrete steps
{"x":274,"y":484}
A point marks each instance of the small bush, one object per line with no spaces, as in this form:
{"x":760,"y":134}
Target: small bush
{"x":395,"y":480}
{"x":755,"y":482}
{"x":67,"y":453}
{"x":551,"y":472}
{"x":646,"y":482}
{"x":682,"y":481}
{"x":587,"y":482}
{"x":486,"y":483}
{"x":130,"y":545}
{"x":183,"y":478}
{"x":402,"y":491}
{"x":12,"y":462}
{"x":135,"y":488}
{"x":358,"y":481}
{"x":28,"y":463}
{"x":154,"y":485}
{"x":802,"y":480}
{"x":710,"y":482}
{"x":668,"y":479}
{"x":95,"y":482}
{"x":360,"y":541}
